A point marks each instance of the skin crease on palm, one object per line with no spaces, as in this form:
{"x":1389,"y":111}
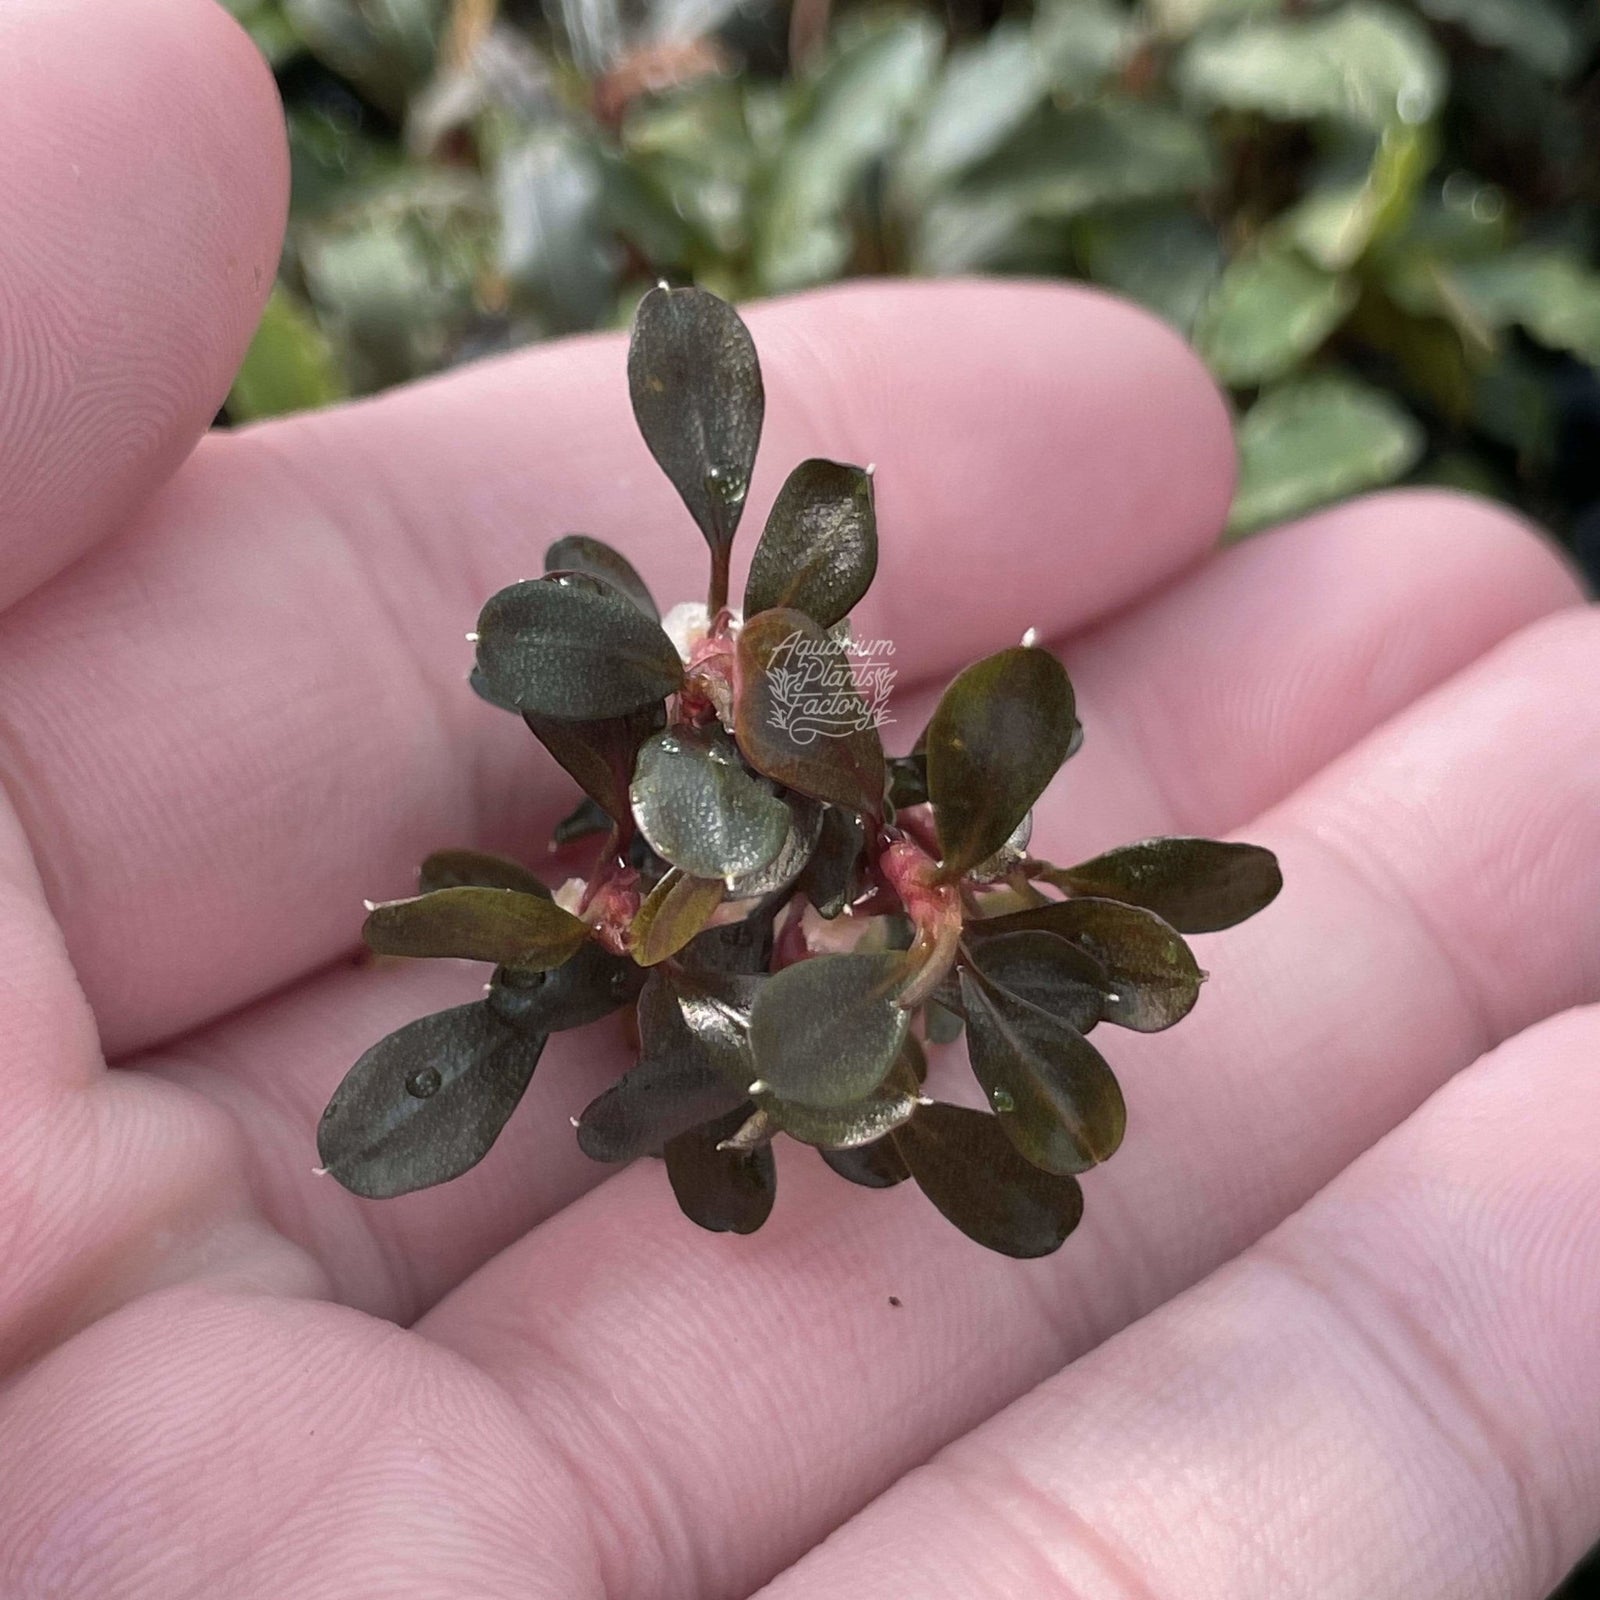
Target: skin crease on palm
{"x":1328,"y":1327}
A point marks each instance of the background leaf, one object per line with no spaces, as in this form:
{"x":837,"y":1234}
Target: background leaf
{"x":725,"y":1191}
{"x":469,"y":923}
{"x":1311,"y":440}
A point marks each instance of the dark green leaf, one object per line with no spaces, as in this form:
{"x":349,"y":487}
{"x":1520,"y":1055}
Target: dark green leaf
{"x":599,"y":755}
{"x":819,"y":549}
{"x":727,"y":1191}
{"x":672,"y":914}
{"x":579,"y":553}
{"x":873,"y":1166}
{"x":1000,"y":732}
{"x":586,"y":819}
{"x":1055,"y":1097}
{"x":591,"y":985}
{"x":697,"y":397}
{"x":674,"y":1087}
{"x":843,"y":1127}
{"x":1153,"y":976}
{"x":967,"y":1167}
{"x":458,"y":869}
{"x":799,"y":717}
{"x":480,"y":687}
{"x":829,"y":879}
{"x":475,"y":924}
{"x":424,"y":1105}
{"x":1045,"y":970}
{"x":740,"y":947}
{"x":1196,"y":885}
{"x":701,"y":810}
{"x":908,"y":780}
{"x":574,"y":649}
{"x":825,"y":1032}
{"x":716,"y":1007}
{"x":800,"y":839}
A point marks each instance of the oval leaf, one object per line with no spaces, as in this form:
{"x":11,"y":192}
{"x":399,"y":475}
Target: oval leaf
{"x":697,"y":397}
{"x":826,"y":1032}
{"x":998,"y":736}
{"x":799,"y":717}
{"x":1055,"y":1097}
{"x":800,"y":840}
{"x":967,"y":1167}
{"x":715,"y":1007}
{"x":1154,"y":980}
{"x":674,"y":1087}
{"x":727,"y":1191}
{"x":573,"y":650}
{"x":425,"y":1104}
{"x":1196,"y":885}
{"x":476,"y":924}
{"x":583,"y":989}
{"x":830,"y":876}
{"x":1045,"y":970}
{"x":872,"y":1166}
{"x":862,"y":1122}
{"x":577,"y":552}
{"x":599,"y":754}
{"x":819,"y":550}
{"x":701,"y":810}
{"x":464,"y":869}
{"x":672,"y":914}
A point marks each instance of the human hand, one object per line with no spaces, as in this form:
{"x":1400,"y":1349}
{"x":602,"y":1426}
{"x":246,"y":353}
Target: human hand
{"x":232,"y":704}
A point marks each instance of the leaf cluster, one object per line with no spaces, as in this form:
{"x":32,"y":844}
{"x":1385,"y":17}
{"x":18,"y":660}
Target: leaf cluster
{"x":793,"y":915}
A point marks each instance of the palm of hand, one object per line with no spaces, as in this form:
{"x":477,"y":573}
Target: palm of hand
{"x":242,"y":710}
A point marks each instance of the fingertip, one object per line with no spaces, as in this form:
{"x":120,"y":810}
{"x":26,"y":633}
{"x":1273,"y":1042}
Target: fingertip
{"x":143,"y":203}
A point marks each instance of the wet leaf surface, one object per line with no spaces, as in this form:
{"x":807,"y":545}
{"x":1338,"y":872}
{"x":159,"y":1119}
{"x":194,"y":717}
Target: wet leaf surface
{"x":674,"y":1088}
{"x":800,"y":840}
{"x":700,"y":809}
{"x":819,"y":550}
{"x":825,"y":1032}
{"x":1196,"y":885}
{"x":426,"y":1103}
{"x":829,"y":879}
{"x":672,"y":914}
{"x":589,"y":986}
{"x":799,"y":717}
{"x":458,"y":869}
{"x":577,"y":552}
{"x":973,"y":1174}
{"x":998,"y":736}
{"x":1055,"y":1097}
{"x":725,"y":1191}
{"x":697,"y":396}
{"x":573,"y":649}
{"x":716,"y":1007}
{"x":476,"y":924}
{"x":1045,"y":970}
{"x":1153,"y":975}
{"x":599,"y":755}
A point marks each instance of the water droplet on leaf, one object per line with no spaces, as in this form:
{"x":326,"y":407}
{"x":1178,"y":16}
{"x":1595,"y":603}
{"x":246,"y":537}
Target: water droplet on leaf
{"x":424,"y":1083}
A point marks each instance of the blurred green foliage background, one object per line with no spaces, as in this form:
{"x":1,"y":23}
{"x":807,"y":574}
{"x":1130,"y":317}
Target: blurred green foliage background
{"x":1375,"y":219}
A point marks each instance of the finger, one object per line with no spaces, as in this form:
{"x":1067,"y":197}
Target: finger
{"x":1397,"y":1392}
{"x":141,"y":203}
{"x":1442,"y":891}
{"x":1209,"y":701}
{"x":285,"y":728}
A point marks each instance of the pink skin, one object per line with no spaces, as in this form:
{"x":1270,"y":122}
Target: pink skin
{"x":233,"y":708}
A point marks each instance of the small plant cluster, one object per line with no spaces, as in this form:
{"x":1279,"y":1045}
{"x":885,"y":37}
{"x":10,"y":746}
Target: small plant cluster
{"x":791,"y":913}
